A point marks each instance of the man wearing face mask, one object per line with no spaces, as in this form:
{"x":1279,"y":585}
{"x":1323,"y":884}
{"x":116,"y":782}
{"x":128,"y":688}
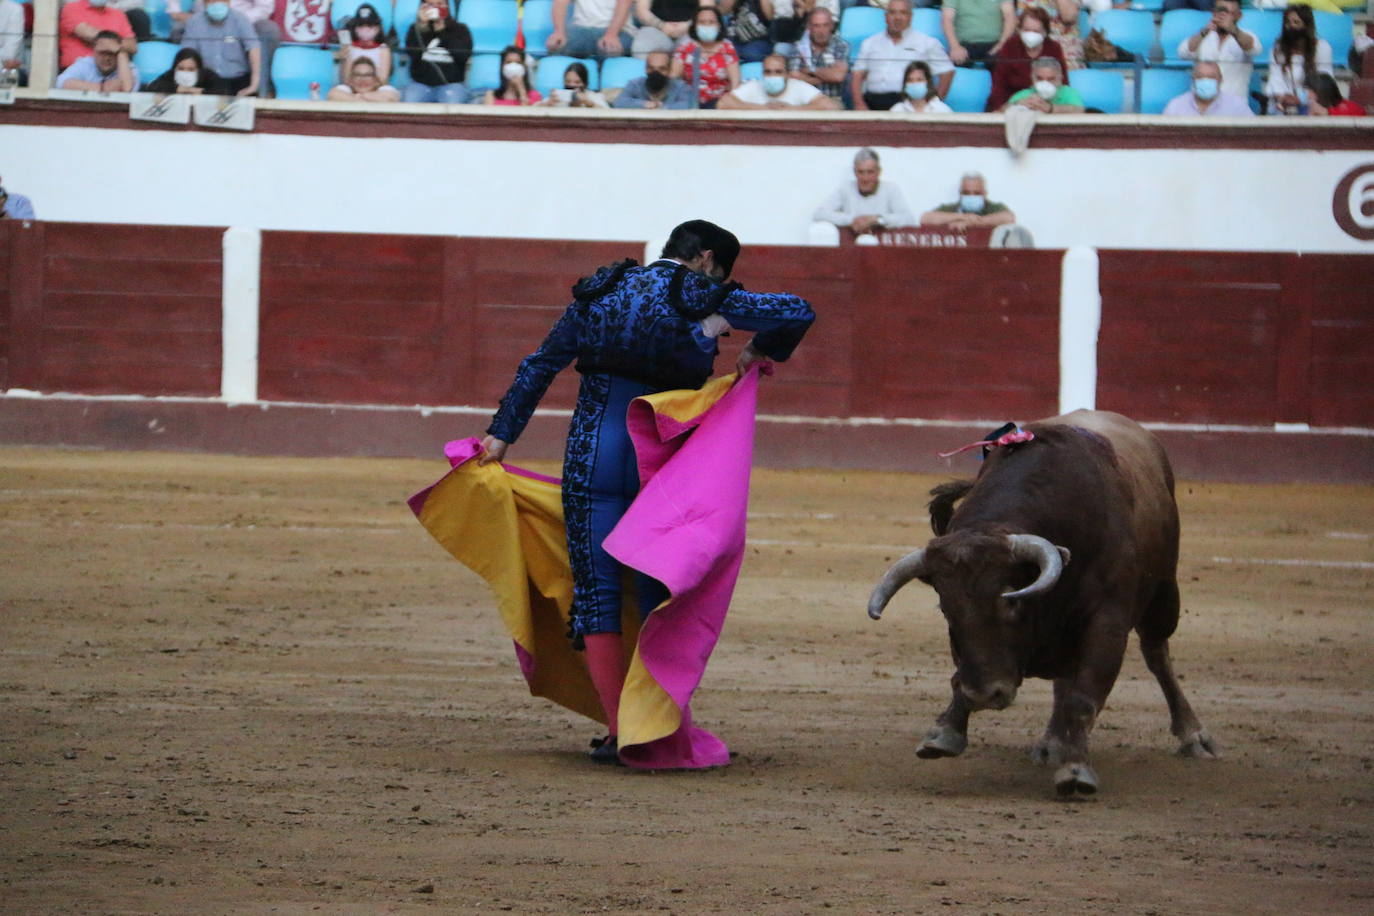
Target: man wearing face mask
{"x":775,"y":90}
{"x":655,"y":89}
{"x":228,"y":44}
{"x":82,"y":20}
{"x":1048,"y":93}
{"x":108,"y":69}
{"x":1206,"y":98}
{"x":971,"y":209}
{"x":634,"y":331}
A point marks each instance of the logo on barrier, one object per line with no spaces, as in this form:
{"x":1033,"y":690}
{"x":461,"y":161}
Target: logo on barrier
{"x":1353,"y":203}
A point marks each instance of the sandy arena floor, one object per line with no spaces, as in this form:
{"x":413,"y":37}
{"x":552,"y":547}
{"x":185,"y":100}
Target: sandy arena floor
{"x":257,"y":685}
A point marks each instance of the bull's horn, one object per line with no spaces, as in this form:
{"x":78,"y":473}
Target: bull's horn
{"x":1032,"y":548}
{"x":902,"y":572}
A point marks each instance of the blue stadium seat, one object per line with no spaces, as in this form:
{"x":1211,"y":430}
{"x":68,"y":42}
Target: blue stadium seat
{"x":403,"y":16}
{"x":342,"y":11}
{"x":1132,"y":30}
{"x":1158,"y":86}
{"x":1176,"y":26}
{"x":927,"y":21}
{"x":617,"y":71}
{"x":159,"y":21}
{"x":970,"y":89}
{"x":154,"y":58}
{"x":538,"y":26}
{"x":484,"y":72}
{"x":1339,"y":31}
{"x":549,"y":76}
{"x":1102,"y":89}
{"x":295,"y":67}
{"x":492,"y":23}
{"x":1266,"y":24}
{"x":1149,"y":6}
{"x":858,"y":23}
{"x":751,"y":71}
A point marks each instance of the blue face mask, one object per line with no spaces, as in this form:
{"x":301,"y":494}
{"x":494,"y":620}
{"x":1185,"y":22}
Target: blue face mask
{"x":971,"y":203}
{"x":916,"y":91}
{"x":218,"y":11}
{"x":774,"y":84}
{"x":708,"y":33}
{"x":1206,"y":88}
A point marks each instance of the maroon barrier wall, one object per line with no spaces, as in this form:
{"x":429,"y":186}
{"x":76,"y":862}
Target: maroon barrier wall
{"x":1187,"y":337}
{"x":901,"y":332}
{"x":97,"y":309}
{"x":1237,"y":337}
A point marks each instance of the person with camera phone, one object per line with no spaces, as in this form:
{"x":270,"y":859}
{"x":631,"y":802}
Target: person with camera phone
{"x":440,"y":48}
{"x":1225,"y":43}
{"x":575,"y":93}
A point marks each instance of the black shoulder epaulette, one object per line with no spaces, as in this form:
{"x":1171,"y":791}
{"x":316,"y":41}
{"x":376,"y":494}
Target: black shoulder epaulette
{"x":603,"y":281}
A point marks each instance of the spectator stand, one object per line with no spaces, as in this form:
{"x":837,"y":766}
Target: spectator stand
{"x":617,"y":71}
{"x":484,"y":72}
{"x":154,"y":58}
{"x":492,"y":23}
{"x":296,"y":67}
{"x":1104,"y":90}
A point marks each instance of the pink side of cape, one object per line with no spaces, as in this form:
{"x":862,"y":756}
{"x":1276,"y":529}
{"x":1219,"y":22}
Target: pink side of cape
{"x":687,"y":529}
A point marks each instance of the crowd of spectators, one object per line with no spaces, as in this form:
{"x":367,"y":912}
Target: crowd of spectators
{"x":1029,"y":47}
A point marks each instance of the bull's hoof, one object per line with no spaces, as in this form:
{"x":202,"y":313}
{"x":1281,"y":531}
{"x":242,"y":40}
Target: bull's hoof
{"x":942,"y":741}
{"x":1047,"y":752}
{"x":1075,"y":779}
{"x":1200,"y":744}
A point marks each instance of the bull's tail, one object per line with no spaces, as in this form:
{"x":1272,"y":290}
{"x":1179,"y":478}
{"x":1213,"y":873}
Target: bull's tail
{"x":901,"y":572}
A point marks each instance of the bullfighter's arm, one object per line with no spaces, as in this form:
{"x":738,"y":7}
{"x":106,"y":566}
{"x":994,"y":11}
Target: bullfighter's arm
{"x":533,"y":378}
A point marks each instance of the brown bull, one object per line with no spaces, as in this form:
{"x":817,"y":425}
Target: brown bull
{"x":1061,"y":547}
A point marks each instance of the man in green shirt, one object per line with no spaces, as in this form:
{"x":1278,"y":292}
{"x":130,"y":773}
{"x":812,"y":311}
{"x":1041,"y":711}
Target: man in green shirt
{"x":976,"y":29}
{"x":971,"y":209}
{"x":1048,"y":93}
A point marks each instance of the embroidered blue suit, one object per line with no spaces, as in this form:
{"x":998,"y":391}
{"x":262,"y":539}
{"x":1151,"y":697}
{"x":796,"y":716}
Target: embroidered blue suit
{"x":632,"y":331}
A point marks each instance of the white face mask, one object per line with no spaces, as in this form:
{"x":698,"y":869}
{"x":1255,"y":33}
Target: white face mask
{"x":1032,"y":40}
{"x":185,"y":78}
{"x":1045,"y":89}
{"x":512,"y":70}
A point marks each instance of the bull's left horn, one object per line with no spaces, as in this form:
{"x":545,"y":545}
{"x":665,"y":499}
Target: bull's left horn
{"x":902,"y":572}
{"x":1032,"y":548}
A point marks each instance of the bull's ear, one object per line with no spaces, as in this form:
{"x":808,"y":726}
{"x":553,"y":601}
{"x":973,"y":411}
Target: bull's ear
{"x":942,"y":503}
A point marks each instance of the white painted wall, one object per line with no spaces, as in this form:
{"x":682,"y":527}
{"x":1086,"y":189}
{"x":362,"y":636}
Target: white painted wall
{"x":1202,"y":199}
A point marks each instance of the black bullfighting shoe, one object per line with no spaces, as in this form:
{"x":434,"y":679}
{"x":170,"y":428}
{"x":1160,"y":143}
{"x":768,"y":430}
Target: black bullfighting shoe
{"x":605,"y":750}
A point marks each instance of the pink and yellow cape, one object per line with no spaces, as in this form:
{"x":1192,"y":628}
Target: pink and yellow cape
{"x":686,"y":529}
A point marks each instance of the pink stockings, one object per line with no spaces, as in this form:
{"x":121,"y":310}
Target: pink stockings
{"x":606,"y":662}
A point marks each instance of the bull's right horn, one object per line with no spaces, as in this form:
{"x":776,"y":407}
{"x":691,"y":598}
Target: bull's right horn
{"x":902,"y":572}
{"x":1031,"y":548}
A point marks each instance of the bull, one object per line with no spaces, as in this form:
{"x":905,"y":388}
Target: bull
{"x":1044,"y":564}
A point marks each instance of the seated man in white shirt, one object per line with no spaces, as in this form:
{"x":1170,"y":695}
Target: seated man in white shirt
{"x":876,"y":80}
{"x":1223,"y":40}
{"x":1206,"y":97}
{"x":866,"y":203}
{"x":776,"y":90}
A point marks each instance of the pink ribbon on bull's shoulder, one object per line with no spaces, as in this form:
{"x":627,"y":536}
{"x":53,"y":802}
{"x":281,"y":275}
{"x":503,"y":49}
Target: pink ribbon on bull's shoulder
{"x":686,"y":528}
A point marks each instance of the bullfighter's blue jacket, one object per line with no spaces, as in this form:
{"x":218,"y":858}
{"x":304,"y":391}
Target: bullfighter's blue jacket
{"x":644,"y":324}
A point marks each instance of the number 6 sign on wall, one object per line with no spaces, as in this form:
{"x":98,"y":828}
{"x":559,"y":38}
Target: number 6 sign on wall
{"x":1353,"y":203}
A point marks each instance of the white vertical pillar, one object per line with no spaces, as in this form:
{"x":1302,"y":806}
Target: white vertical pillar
{"x":1080,"y":319}
{"x":239,"y":339}
{"x":43,"y":52}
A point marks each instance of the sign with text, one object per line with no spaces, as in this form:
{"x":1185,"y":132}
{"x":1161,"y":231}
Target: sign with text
{"x":920,"y":237}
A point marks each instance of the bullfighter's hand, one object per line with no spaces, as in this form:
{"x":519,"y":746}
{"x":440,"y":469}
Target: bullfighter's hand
{"x":493,"y":449}
{"x":747,"y":357}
